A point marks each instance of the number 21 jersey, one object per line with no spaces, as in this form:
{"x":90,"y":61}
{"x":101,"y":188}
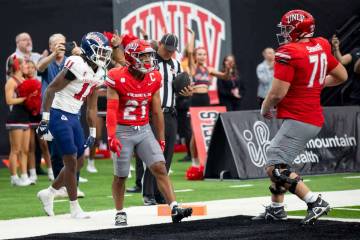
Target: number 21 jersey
{"x":304,"y":65}
{"x":134,"y":95}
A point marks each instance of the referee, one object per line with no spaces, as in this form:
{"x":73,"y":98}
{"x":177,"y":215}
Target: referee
{"x":168,"y":68}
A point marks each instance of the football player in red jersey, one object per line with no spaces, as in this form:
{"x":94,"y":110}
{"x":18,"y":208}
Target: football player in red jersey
{"x":304,"y":65}
{"x":131,"y":92}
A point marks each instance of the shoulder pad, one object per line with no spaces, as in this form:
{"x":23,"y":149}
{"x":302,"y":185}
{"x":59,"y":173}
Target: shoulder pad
{"x":76,"y":65}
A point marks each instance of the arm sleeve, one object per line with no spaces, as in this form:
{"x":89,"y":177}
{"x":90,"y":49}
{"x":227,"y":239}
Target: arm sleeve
{"x":111,"y":116}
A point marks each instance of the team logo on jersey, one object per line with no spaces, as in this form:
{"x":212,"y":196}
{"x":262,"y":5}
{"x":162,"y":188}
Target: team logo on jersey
{"x":257,"y":143}
{"x":64,"y":118}
{"x":162,"y":17}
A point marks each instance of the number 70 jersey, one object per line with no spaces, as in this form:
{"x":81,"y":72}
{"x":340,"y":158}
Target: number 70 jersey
{"x":135,"y":95}
{"x":304,"y":65}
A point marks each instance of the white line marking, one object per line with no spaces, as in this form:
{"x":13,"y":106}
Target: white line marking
{"x":184,"y":190}
{"x":126,"y":195}
{"x":352,"y":177}
{"x":61,"y":200}
{"x":348,"y":209}
{"x":241,"y":186}
{"x":306,"y":180}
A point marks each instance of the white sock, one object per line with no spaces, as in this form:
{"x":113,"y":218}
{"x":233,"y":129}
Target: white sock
{"x":310,"y":197}
{"x":195,"y":162}
{"x":120,"y":211}
{"x":91,"y":160}
{"x":14,"y":177}
{"x":173,"y":204}
{"x":74,"y":206}
{"x":32,"y":172}
{"x":50,"y":171}
{"x":277,"y":204}
{"x":24,"y":176}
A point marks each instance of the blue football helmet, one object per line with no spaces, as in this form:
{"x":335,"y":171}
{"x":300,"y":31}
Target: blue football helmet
{"x":96,"y":48}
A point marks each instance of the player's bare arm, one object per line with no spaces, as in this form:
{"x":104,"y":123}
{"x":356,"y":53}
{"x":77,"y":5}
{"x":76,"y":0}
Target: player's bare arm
{"x":336,"y":77}
{"x":56,"y":85}
{"x":277,"y":92}
{"x":157,"y":116}
{"x":91,"y":110}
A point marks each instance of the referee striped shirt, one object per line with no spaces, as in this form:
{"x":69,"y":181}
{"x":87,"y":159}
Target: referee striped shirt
{"x":168,"y":70}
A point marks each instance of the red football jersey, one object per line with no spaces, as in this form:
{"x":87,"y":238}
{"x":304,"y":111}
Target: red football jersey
{"x":134,"y":95}
{"x":304,"y":65}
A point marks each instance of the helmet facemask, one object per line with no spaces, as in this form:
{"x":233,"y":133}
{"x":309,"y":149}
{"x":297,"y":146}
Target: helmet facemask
{"x":147,"y":65}
{"x":284,"y":36}
{"x":101,"y":55}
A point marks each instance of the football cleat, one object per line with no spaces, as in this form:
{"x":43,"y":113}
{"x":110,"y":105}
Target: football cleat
{"x":177,"y":213}
{"x":47,"y":200}
{"x":272,"y":213}
{"x":315,"y":210}
{"x":120,"y":219}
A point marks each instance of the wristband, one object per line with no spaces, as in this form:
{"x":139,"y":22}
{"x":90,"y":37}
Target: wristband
{"x":92,"y":132}
{"x":46,"y":116}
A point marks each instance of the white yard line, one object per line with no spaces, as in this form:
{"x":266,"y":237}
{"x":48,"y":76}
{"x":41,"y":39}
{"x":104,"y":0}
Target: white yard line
{"x":184,"y":190}
{"x":145,"y":215}
{"x":241,"y":186}
{"x":350,"y":177}
{"x":348,"y":209}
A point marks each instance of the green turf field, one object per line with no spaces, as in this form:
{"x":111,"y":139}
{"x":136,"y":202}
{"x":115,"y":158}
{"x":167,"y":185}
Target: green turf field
{"x":17,"y":202}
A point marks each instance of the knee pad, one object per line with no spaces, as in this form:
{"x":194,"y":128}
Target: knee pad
{"x":277,"y":189}
{"x":283,"y":177}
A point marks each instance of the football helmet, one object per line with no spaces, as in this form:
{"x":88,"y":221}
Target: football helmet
{"x":133,"y":55}
{"x":294,"y":25}
{"x":96,"y":48}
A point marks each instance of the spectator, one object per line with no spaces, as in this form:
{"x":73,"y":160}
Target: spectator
{"x":230,"y":91}
{"x":202,"y":78}
{"x":265,"y":72}
{"x":34,"y":122}
{"x":24,"y":49}
{"x":352,"y":60}
{"x":48,"y":67}
{"x":17,"y":122}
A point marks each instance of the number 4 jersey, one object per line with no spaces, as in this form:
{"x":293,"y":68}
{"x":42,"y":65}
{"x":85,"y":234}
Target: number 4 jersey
{"x":304,"y":65}
{"x":134,"y":95}
{"x":72,"y":96}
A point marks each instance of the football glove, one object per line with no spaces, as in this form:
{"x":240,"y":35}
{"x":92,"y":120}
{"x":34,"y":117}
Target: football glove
{"x":114,"y":145}
{"x":162,"y":145}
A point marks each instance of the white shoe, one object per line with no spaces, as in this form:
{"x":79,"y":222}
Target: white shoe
{"x":80,"y":194}
{"x":21,"y":182}
{"x":61,"y":193}
{"x":83,"y":180}
{"x":47,"y":200}
{"x":91,"y":166}
{"x":80,"y":214}
{"x":33,"y":179}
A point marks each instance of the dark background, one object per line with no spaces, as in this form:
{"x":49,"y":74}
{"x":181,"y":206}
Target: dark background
{"x":253,"y":25}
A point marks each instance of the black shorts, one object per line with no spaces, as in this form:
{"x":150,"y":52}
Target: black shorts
{"x":102,"y":106}
{"x":200,"y":100}
{"x":34,"y":121}
{"x":18,"y":118}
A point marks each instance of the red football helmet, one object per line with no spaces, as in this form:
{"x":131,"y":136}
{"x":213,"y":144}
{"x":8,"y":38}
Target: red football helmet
{"x":133,"y":52}
{"x":294,"y":25}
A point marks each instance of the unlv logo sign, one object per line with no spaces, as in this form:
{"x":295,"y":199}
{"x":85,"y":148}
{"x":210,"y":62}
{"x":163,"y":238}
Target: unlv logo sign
{"x":174,"y":17}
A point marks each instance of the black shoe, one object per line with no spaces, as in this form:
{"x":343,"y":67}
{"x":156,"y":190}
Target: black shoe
{"x":272,"y":213}
{"x":159,"y":199}
{"x":187,"y":158}
{"x":40,"y":171}
{"x":148,"y":201}
{"x":135,"y":189}
{"x":178,"y":213}
{"x":120,"y":219}
{"x":315,"y":210}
